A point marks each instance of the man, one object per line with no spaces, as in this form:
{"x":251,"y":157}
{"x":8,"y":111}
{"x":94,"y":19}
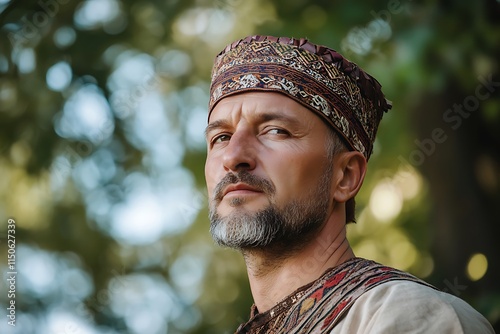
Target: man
{"x":291,"y":127}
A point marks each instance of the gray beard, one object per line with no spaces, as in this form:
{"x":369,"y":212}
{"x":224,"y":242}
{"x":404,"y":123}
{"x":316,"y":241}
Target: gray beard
{"x":280,"y":230}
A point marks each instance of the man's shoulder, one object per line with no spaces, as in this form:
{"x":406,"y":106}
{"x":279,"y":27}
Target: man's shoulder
{"x":403,"y":306}
{"x":412,"y":294}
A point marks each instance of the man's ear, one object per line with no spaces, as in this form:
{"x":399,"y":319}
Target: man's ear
{"x":349,"y":170}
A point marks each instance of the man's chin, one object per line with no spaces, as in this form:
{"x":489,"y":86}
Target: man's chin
{"x":265,"y":228}
{"x":242,"y":229}
{"x":238,"y":242}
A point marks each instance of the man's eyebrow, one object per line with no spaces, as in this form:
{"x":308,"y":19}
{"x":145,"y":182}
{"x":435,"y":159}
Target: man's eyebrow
{"x":261,"y":118}
{"x":272,"y":116}
{"x":220,"y":123}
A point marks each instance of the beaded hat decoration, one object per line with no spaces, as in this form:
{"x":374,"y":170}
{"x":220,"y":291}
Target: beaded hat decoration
{"x":316,"y":76}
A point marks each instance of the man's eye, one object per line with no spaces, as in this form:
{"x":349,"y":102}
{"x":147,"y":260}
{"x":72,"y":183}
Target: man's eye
{"x":220,"y":138}
{"x":277,"y":131}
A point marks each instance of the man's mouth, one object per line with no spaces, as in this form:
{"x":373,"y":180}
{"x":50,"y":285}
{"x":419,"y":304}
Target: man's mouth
{"x":240,"y":189}
{"x":242,"y":184}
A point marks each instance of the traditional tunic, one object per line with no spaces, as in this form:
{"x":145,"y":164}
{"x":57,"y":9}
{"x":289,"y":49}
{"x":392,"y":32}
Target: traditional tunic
{"x":362,"y":296}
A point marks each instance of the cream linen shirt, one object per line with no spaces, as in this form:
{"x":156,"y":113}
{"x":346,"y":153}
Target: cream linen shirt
{"x":408,"y":307}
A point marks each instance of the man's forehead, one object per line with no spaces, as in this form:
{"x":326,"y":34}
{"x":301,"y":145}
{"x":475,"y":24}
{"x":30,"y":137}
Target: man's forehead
{"x":259,"y":106}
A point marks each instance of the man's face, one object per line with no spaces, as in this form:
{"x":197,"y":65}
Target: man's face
{"x":268,"y":172}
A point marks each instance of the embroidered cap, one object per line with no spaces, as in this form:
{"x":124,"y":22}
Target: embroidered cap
{"x":316,"y":76}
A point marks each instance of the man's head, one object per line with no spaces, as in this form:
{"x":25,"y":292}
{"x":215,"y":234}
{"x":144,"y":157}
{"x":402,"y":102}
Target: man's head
{"x":291,"y":125}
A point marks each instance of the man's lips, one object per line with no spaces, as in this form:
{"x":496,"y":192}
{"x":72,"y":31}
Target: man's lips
{"x":239,"y":188}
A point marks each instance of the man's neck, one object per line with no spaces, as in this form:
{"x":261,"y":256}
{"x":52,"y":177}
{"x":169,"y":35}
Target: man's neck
{"x":273,"y":278}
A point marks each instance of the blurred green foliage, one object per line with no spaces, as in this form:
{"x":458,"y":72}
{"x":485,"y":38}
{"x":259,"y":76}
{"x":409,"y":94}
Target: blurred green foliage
{"x":102,"y":109}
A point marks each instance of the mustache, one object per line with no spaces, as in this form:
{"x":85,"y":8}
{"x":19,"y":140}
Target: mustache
{"x":253,"y":181}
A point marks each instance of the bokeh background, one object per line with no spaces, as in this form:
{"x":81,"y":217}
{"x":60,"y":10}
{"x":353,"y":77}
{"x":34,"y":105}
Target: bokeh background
{"x":102,"y":112}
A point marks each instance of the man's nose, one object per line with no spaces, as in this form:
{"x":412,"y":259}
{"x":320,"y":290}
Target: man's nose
{"x":239,"y":154}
